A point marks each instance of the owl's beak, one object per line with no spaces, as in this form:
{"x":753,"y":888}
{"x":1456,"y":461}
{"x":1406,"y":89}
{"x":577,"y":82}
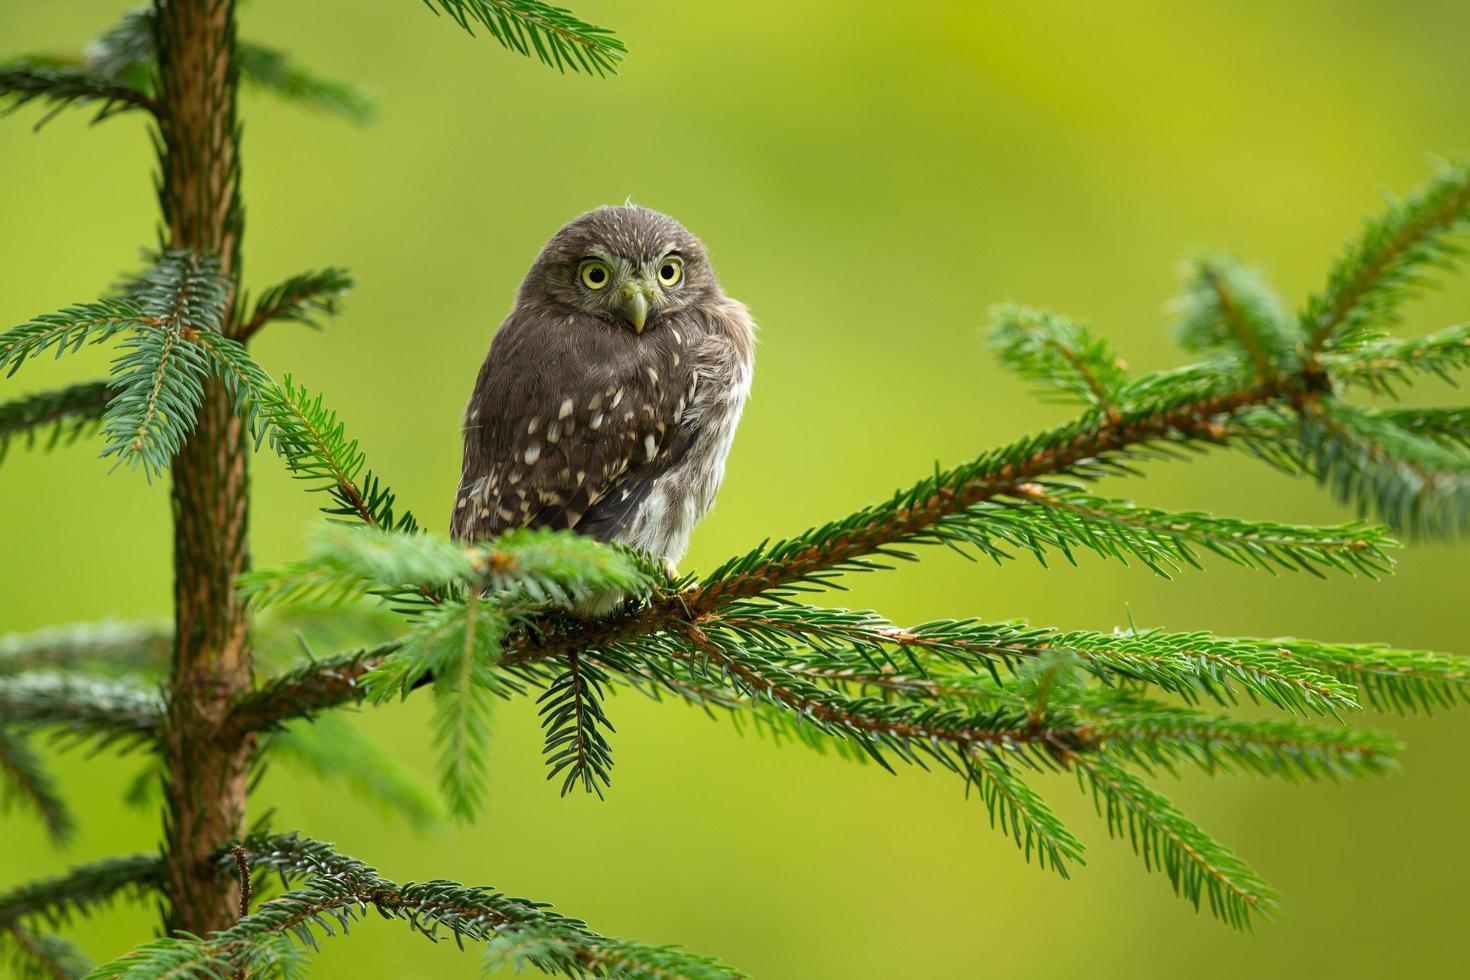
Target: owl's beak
{"x":635,"y":308}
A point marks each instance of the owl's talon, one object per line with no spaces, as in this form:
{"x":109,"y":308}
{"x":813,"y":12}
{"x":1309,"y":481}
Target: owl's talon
{"x":671,"y":571}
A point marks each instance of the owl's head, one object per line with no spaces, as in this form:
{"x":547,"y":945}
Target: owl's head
{"x":627,"y":265}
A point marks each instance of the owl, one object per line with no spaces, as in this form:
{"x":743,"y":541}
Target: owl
{"x":610,"y":396}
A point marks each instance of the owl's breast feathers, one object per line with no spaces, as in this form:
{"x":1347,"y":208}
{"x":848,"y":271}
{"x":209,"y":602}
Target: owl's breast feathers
{"x":577,"y":423}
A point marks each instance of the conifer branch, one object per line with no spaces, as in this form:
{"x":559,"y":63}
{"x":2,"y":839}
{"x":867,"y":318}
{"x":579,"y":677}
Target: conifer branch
{"x":315,"y":446}
{"x":307,"y":298}
{"x":1448,"y":426}
{"x":764,"y":720}
{"x":553,"y":35}
{"x":1388,"y":679}
{"x":1228,"y":306}
{"x":1414,"y":482}
{"x":926,"y":681}
{"x":289,"y":636}
{"x":309,"y":689}
{"x":36,"y":956}
{"x":306,"y":434}
{"x":1388,"y":263}
{"x":1119,"y":721}
{"x":1215,"y":375}
{"x":53,"y":417}
{"x":1382,"y":364}
{"x":1042,"y":518}
{"x":560,"y":951}
{"x":330,"y":890}
{"x":572,"y":715}
{"x":1162,"y":737}
{"x":1155,"y":735}
{"x":117,"y":647}
{"x":276,"y":72}
{"x":1059,"y":355}
{"x":125,"y":50}
{"x":63,"y":86}
{"x":67,"y":330}
{"x":454,"y":642}
{"x":24,"y":780}
{"x":912,"y":733}
{"x":1089,"y":447}
{"x":78,"y":709}
{"x":1198,"y":866}
{"x":158,"y":386}
{"x":145,"y":790}
{"x":1192,"y":665}
{"x":346,"y":562}
{"x":1175,"y":537}
{"x":294,"y":857}
{"x":526,"y":570}
{"x":159,"y":382}
{"x":458,"y":651}
{"x":118,"y":66}
{"x":1021,"y":814}
{"x":83,"y":891}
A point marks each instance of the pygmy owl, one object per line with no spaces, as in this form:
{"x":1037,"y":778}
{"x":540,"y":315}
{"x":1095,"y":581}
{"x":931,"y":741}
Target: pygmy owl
{"x":610,"y":396}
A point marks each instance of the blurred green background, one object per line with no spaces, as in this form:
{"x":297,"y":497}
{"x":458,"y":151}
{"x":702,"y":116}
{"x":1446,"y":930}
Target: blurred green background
{"x":869,"y":178}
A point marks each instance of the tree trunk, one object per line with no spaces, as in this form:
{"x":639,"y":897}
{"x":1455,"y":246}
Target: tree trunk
{"x":199,"y":193}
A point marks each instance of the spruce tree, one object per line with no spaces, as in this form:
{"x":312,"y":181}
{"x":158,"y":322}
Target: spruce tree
{"x":210,"y":698}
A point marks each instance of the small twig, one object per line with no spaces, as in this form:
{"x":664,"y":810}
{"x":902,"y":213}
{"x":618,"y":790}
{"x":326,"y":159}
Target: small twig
{"x":242,"y":868}
{"x":27,"y":942}
{"x":1234,"y":318}
{"x":1043,"y":690}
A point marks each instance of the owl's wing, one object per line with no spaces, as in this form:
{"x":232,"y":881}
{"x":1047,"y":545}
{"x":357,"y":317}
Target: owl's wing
{"x":613,"y":513}
{"x":569,"y":440}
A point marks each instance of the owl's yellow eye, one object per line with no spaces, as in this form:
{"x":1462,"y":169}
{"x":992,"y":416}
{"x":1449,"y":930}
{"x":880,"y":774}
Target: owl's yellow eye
{"x":595,"y":274}
{"x":670,"y":270}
